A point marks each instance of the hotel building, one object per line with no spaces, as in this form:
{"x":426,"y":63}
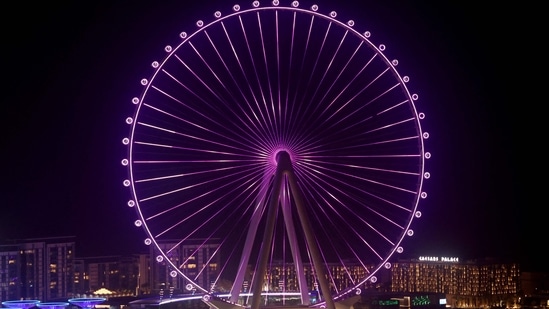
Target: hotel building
{"x":478,"y":283}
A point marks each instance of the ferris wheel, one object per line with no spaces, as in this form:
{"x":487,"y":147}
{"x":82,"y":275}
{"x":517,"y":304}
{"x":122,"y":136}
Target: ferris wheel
{"x":289,"y":140}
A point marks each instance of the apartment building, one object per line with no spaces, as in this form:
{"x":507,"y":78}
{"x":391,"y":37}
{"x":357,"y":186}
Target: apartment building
{"x":41,"y":268}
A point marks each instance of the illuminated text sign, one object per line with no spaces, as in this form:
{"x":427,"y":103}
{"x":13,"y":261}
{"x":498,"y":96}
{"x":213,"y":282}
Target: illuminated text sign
{"x":445,"y":259}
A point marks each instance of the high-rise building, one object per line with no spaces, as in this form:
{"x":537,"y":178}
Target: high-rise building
{"x":41,"y":268}
{"x":197,"y":259}
{"x":124,"y":275}
{"x":283,"y":276}
{"x":473,"y":283}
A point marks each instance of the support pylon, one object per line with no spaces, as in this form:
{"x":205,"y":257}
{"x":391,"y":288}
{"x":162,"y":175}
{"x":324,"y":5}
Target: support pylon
{"x":285,"y":169}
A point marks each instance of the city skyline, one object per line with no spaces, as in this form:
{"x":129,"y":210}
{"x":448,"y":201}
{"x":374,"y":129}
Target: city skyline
{"x":73,"y":78}
{"x":460,"y":282}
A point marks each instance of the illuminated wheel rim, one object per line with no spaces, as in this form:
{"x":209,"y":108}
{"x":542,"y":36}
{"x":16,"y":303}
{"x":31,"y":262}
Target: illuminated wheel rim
{"x":242,"y":86}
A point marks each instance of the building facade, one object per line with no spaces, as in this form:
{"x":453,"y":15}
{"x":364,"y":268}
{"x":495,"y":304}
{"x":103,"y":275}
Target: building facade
{"x":477,"y":283}
{"x":122,"y":275}
{"x":197,"y":260}
{"x":37,"y":268}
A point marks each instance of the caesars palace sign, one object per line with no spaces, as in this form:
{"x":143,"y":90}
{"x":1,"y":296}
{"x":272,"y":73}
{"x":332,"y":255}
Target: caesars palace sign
{"x":439,"y":259}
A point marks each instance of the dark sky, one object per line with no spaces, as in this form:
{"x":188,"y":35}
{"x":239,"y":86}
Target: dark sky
{"x":71,"y":70}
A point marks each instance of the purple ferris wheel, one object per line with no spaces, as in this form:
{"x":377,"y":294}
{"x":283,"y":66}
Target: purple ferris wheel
{"x":286,"y":138}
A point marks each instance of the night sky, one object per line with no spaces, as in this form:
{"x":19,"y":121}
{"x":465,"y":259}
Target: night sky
{"x":70,"y":72}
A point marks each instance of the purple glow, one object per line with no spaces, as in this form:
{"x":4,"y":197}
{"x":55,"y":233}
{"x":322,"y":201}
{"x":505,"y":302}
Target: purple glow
{"x":224,"y":103}
{"x":22,"y":304}
{"x":86,"y":302}
{"x":53,"y":305}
